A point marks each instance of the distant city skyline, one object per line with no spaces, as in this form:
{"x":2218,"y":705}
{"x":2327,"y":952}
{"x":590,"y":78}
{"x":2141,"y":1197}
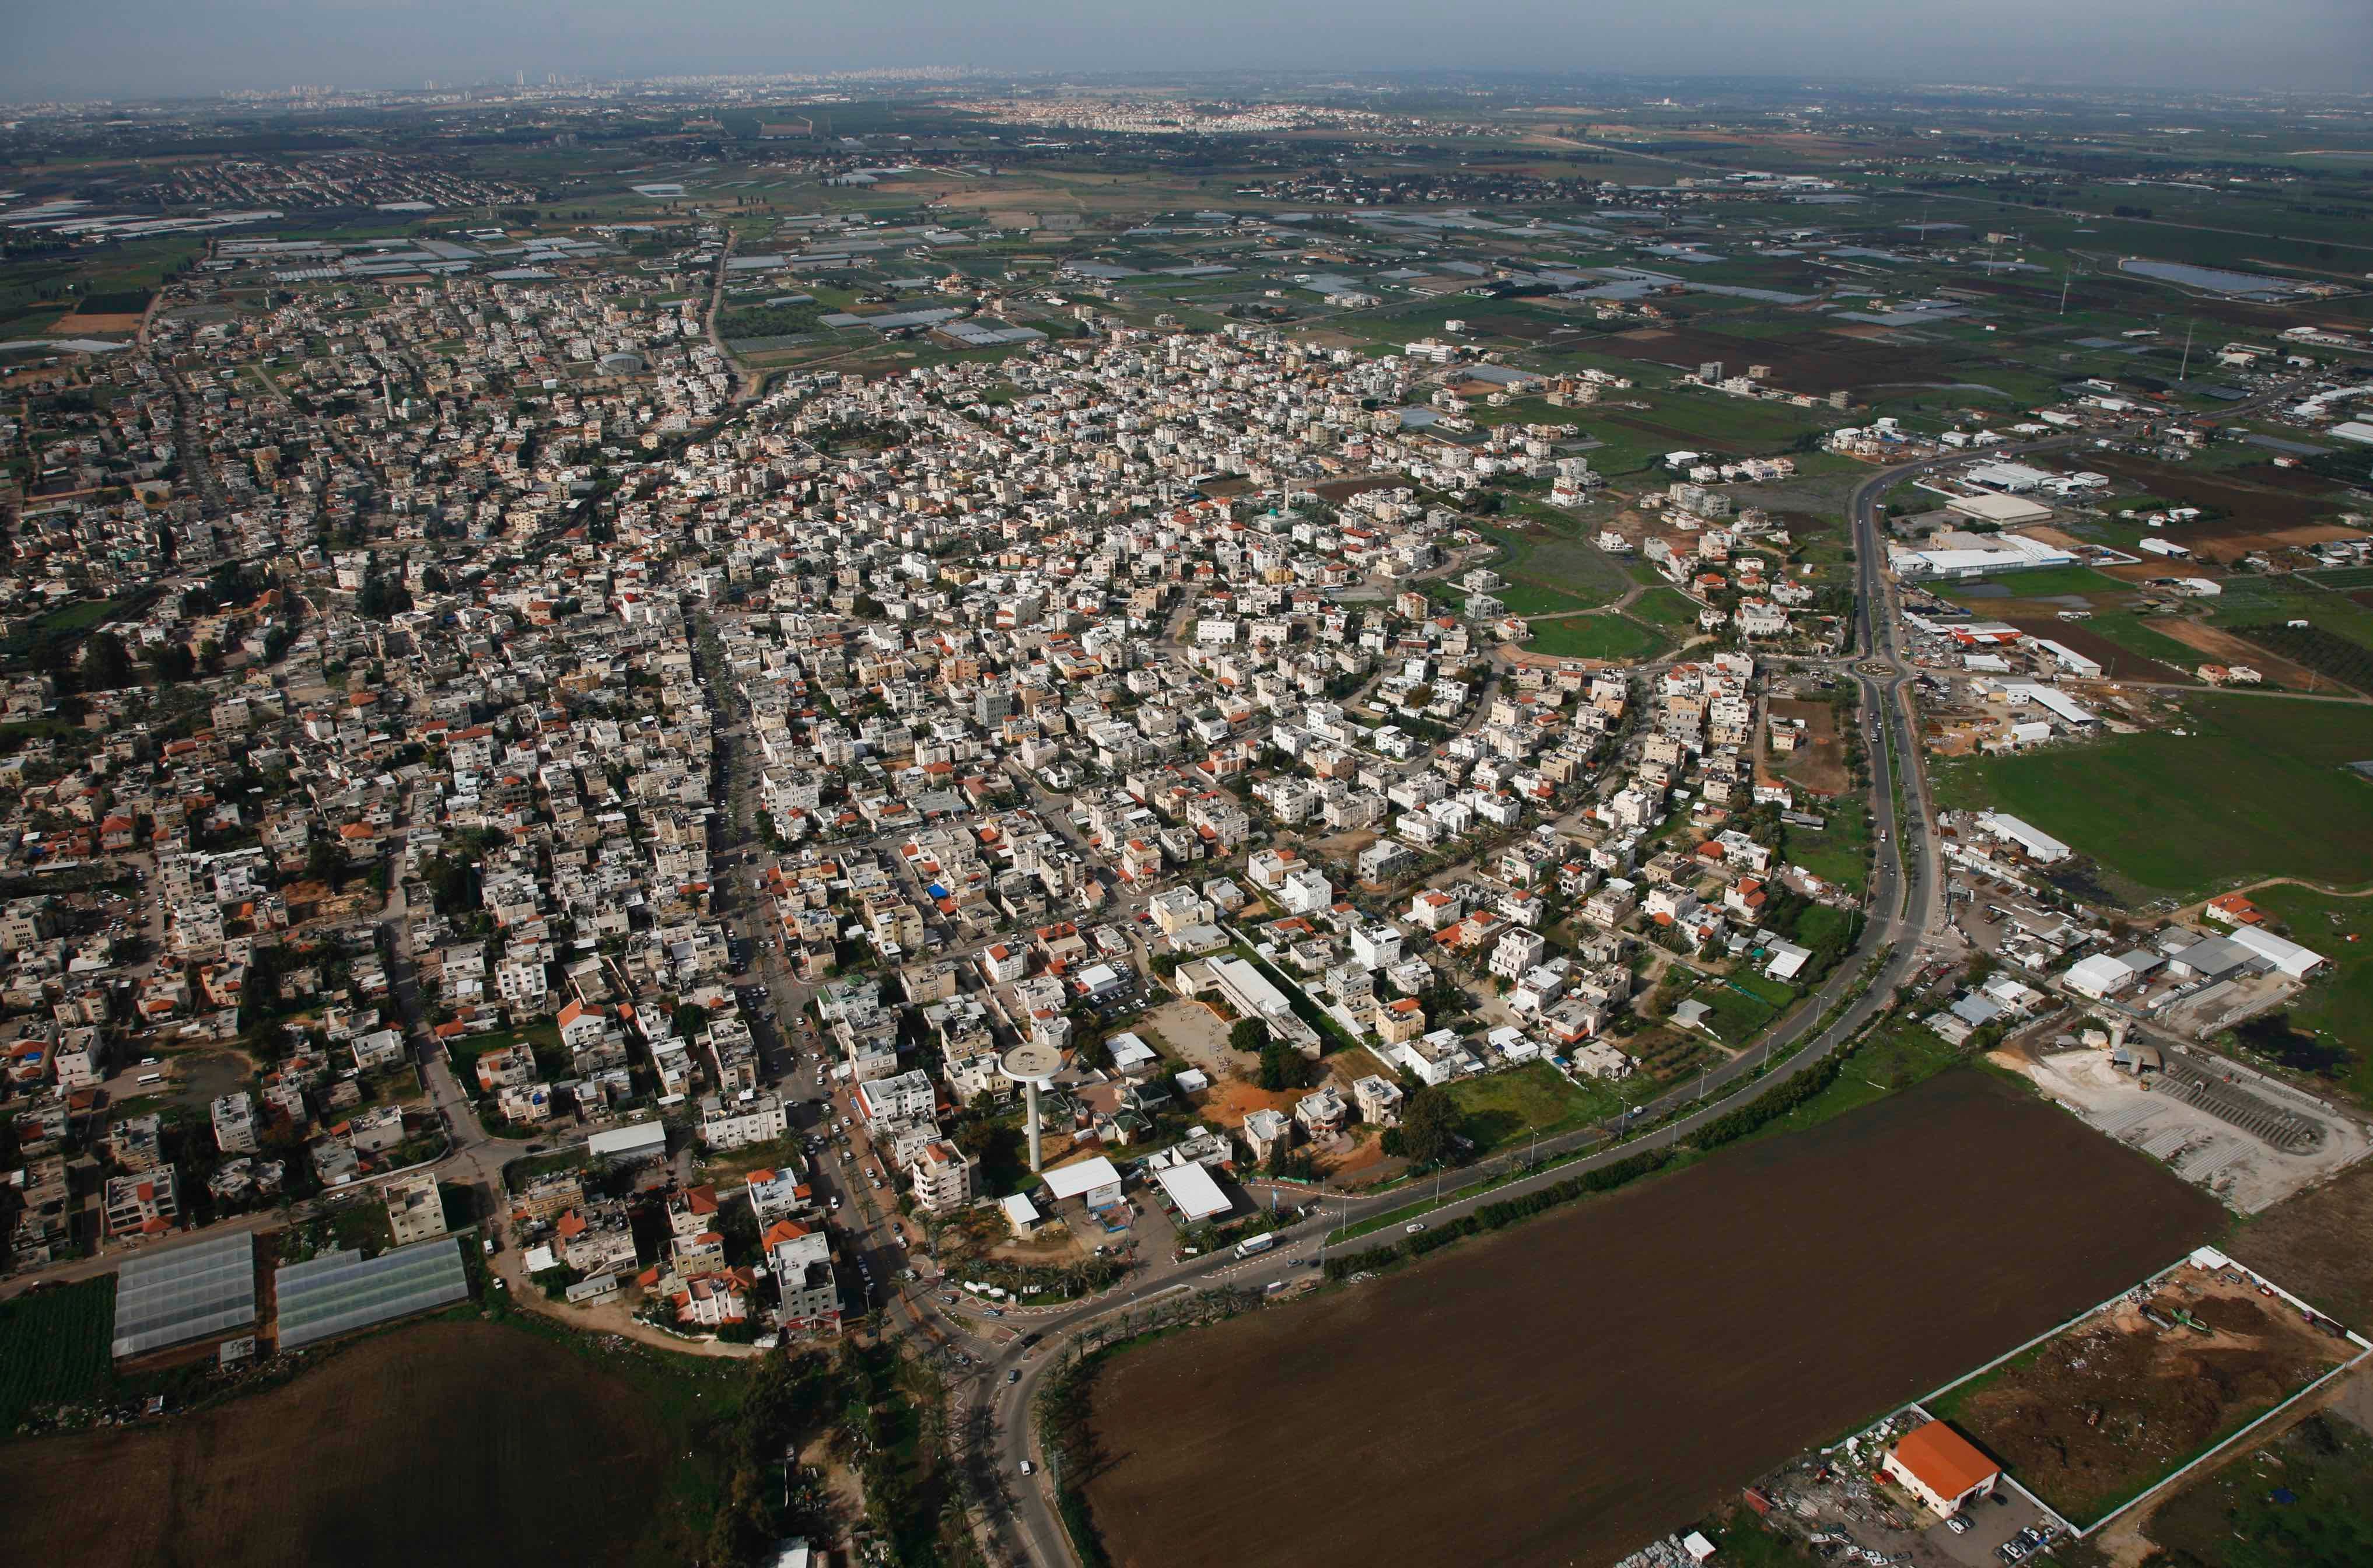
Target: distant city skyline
{"x":151,"y":48}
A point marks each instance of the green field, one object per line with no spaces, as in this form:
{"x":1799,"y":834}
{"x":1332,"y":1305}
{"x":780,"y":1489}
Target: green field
{"x":1503,"y":1107}
{"x":1596,"y":637}
{"x":1557,"y":561}
{"x":1839,"y":853}
{"x":2331,"y":1022}
{"x":1664,"y":607}
{"x":1537,"y":599}
{"x":54,"y":1348}
{"x":1743,"y":1005}
{"x":2255,"y":786}
{"x":2046,"y":582}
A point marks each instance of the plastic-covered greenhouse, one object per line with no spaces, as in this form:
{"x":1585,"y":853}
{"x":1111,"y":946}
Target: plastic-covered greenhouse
{"x":181,"y":1294}
{"x":344,"y":1290}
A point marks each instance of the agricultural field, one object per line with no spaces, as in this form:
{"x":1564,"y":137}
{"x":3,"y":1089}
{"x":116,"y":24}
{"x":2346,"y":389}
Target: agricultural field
{"x":54,"y":1348}
{"x":442,"y":1393}
{"x":2253,"y":787}
{"x":1518,"y":1328}
{"x":2106,"y":1409}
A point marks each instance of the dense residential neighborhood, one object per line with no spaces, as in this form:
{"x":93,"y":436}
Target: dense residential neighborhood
{"x":903,"y":816}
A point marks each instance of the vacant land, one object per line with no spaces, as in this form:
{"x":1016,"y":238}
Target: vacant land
{"x":410,"y":1447}
{"x":1567,"y":1389}
{"x":2306,"y":1498}
{"x":2093,"y":1416}
{"x":2126,"y":649}
{"x":1594,"y":637}
{"x":2255,"y":786}
{"x":1503,"y":1109}
{"x":54,"y":1348}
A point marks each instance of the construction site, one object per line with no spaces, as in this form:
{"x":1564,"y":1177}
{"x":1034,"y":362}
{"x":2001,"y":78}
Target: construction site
{"x":2250,"y":1139}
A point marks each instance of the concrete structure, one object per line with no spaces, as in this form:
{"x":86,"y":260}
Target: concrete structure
{"x":414,"y":1211}
{"x":1093,"y":1180}
{"x":1033,"y":1065}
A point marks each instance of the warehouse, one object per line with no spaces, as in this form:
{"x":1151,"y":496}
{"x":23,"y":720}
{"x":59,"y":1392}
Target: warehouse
{"x":2281,"y":952}
{"x":2040,"y":845}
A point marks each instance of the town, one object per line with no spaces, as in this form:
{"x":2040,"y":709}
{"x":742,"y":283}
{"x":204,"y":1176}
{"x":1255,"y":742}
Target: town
{"x":789,"y":760}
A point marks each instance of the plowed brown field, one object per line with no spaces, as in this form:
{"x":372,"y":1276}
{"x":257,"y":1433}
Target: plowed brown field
{"x":431,"y":1444}
{"x":1568,"y":1388}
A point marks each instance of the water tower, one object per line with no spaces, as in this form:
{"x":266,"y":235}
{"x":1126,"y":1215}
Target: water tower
{"x":1033,"y":1066}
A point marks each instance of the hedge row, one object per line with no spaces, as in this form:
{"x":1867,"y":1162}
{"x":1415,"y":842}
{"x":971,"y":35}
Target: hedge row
{"x":1506,"y":1211}
{"x":1770,"y":1107}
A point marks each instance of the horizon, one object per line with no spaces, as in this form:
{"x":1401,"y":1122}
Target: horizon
{"x":145,"y":50}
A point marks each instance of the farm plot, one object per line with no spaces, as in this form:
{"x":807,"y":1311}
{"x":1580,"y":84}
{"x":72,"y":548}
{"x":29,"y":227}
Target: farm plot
{"x":53,"y":1348}
{"x":2105,"y":1410}
{"x":302,"y":1473}
{"x":2254,"y":786}
{"x":1652,"y":1349}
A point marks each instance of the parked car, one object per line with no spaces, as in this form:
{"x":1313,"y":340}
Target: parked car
{"x":1028,"y":1468}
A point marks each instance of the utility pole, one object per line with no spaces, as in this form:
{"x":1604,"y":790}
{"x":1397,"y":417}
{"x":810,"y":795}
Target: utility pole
{"x":2068,"y":276}
{"x":2185,"y":374}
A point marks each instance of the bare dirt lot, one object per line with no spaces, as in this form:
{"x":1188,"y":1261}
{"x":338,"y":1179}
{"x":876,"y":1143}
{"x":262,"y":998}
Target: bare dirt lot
{"x":2094,"y":1415}
{"x":2246,"y":1172}
{"x":1563,"y":1391}
{"x":2247,"y":508}
{"x":2224,"y":648}
{"x":1818,"y":763}
{"x":408,"y":1448}
{"x":78,"y":324}
{"x":2117,"y":663}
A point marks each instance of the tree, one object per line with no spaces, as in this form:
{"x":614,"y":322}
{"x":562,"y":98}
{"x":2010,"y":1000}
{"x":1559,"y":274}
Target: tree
{"x":106,"y":666}
{"x":689,"y":1022}
{"x":1281,"y":1067}
{"x":173,"y":662}
{"x":1249,"y":1036}
{"x":1429,"y":1126}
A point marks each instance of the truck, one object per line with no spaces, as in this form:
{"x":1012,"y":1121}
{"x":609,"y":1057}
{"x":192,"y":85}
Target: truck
{"x":1256,"y":1244}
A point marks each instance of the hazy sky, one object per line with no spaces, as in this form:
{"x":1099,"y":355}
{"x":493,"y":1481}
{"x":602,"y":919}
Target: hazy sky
{"x":82,"y":48}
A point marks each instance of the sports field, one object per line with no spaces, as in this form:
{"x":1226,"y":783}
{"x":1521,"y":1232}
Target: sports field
{"x":2254,"y":787}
